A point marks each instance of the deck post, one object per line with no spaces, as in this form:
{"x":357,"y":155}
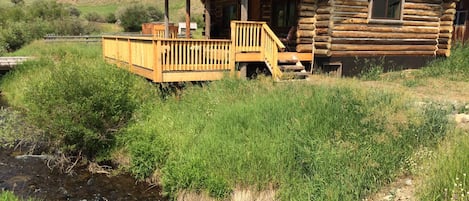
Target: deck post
{"x":131,"y":69}
{"x":166,"y":19}
{"x":233,"y":48}
{"x":188,"y":18}
{"x":157,"y":67}
{"x":244,"y":10}
{"x":208,"y":20}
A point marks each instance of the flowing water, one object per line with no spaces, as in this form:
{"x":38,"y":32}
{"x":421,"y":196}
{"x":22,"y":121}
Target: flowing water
{"x":32,"y":178}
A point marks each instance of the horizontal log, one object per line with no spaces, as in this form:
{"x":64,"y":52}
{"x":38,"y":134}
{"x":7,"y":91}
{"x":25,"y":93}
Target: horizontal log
{"x":424,"y":1}
{"x":307,"y":20}
{"x":422,"y":6}
{"x":309,"y":27}
{"x":381,"y":53}
{"x":322,"y":45}
{"x":350,"y":14}
{"x":321,"y":52}
{"x":387,"y":29}
{"x":308,"y":7}
{"x":435,"y":13}
{"x":351,"y":3}
{"x":444,"y":46}
{"x":357,"y":9}
{"x":356,"y":34}
{"x":305,"y":33}
{"x":304,"y":40}
{"x":302,"y":48}
{"x":443,"y":52}
{"x":321,"y":31}
{"x":322,"y":38}
{"x":373,"y":47}
{"x":421,"y":18}
{"x":379,"y":41}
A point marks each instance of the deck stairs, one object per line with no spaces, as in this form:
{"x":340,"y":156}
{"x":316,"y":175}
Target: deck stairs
{"x":292,"y":69}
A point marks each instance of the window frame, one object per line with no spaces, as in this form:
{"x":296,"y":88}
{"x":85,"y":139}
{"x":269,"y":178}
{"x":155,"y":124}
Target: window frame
{"x":386,"y":20}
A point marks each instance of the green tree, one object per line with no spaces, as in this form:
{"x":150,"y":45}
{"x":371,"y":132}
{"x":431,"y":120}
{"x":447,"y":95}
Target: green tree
{"x":111,"y":18}
{"x":154,"y":14}
{"x":133,"y":17}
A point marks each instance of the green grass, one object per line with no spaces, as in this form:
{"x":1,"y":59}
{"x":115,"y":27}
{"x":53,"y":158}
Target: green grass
{"x":9,"y":196}
{"x":447,"y":175}
{"x":103,"y":10}
{"x":309,"y":142}
{"x":455,"y":67}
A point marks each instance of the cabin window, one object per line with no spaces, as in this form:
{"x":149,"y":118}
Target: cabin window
{"x":284,"y":13}
{"x":461,"y":16}
{"x":386,"y":9}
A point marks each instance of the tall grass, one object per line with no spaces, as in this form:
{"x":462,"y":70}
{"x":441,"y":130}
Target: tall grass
{"x":73,"y":95}
{"x":455,"y":67}
{"x":447,"y":173}
{"x":308,"y":142}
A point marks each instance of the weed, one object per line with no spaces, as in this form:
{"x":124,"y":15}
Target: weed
{"x":371,"y":68}
{"x":454,"y":67}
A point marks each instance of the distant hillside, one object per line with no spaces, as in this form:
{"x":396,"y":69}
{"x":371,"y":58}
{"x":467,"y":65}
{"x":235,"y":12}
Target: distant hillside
{"x":176,"y":7}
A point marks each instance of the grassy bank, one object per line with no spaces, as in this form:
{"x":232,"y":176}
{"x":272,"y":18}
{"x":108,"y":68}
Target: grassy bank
{"x":302,"y":141}
{"x":84,"y":99}
{"x":307,"y":142}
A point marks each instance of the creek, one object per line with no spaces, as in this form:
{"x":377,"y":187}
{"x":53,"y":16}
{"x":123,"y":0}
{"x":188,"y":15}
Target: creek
{"x":30,"y":177}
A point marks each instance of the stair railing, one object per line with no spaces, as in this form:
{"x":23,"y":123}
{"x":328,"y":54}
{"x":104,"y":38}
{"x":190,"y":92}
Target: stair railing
{"x":249,"y":37}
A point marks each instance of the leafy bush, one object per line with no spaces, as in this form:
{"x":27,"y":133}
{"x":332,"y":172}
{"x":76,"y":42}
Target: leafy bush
{"x":111,"y":18}
{"x":21,"y":24}
{"x":94,"y":17}
{"x":78,"y":100}
{"x":133,"y":16}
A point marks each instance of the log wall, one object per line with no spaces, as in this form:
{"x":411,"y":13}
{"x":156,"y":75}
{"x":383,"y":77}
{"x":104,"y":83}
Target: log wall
{"x":343,"y":28}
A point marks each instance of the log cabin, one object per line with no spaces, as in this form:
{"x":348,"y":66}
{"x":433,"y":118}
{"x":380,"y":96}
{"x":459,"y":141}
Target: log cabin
{"x":408,"y":32}
{"x":291,"y":38}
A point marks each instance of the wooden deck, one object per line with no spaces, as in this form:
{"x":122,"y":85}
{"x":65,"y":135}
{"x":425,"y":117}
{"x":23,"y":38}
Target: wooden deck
{"x":177,"y":60}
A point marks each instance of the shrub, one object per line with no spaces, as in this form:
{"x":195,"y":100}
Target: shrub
{"x":133,"y":16}
{"x":94,"y":17}
{"x":111,"y":18}
{"x":80,"y":101}
{"x":154,"y":14}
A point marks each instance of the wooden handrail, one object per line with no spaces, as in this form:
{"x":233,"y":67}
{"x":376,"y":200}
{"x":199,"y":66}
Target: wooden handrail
{"x":249,"y":36}
{"x":277,"y":41}
{"x":168,"y":55}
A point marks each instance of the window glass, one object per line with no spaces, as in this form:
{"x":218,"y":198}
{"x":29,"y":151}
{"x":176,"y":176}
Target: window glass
{"x":386,"y":9}
{"x":284,"y":13}
{"x":460,"y":18}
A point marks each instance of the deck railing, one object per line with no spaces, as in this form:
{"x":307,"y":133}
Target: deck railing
{"x":168,"y":55}
{"x":251,"y":37}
